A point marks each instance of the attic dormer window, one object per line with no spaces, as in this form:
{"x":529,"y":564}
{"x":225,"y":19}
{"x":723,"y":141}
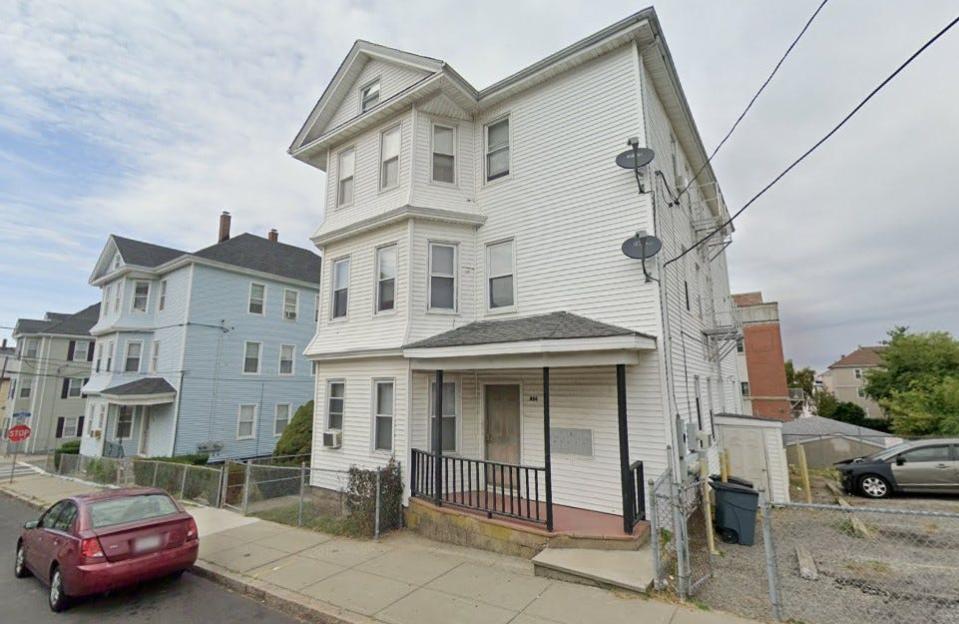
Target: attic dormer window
{"x":369,"y":96}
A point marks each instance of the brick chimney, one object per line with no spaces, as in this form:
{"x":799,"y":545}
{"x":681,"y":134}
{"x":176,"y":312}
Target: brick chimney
{"x":274,"y":236}
{"x":224,"y":226}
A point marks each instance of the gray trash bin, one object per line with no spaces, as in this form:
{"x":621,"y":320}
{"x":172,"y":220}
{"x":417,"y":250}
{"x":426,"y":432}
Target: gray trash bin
{"x":732,"y":479}
{"x":736,"y":507}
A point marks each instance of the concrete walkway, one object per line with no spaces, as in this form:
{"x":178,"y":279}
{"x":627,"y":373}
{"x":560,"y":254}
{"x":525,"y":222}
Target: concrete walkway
{"x":402,"y":579}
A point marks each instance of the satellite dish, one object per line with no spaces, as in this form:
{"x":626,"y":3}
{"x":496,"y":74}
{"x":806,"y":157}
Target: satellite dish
{"x":641,"y":246}
{"x":635,"y":158}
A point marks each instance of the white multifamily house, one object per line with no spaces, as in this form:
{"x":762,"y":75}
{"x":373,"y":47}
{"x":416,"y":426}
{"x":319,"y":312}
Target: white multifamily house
{"x":473,"y":270}
{"x":199,"y":352}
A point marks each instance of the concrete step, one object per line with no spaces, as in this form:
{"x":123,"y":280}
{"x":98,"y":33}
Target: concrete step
{"x":630,"y":570}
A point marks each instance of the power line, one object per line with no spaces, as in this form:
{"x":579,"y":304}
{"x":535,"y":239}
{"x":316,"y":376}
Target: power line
{"x":815,"y":146}
{"x":753,"y":100}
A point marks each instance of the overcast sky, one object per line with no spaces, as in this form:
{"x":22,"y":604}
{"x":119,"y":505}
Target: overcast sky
{"x":148,"y":121}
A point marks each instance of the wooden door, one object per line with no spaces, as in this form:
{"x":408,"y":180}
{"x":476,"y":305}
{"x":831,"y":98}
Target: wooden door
{"x":502,"y":423}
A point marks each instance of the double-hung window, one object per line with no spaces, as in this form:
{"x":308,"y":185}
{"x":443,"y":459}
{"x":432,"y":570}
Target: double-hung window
{"x":69,"y":427}
{"x":390,"y":158}
{"x":385,"y":278}
{"x":109,"y":356}
{"x":497,"y":149}
{"x":499,"y":267}
{"x":116,"y":296}
{"x":251,"y":357}
{"x":161,"y":298}
{"x":32,"y":346}
{"x":442,"y":277}
{"x":246,"y":422}
{"x":74,"y":384}
{"x":286,"y":359}
{"x":141,"y":293}
{"x":344,"y":176}
{"x":155,"y":357}
{"x":257,"y":303}
{"x":369,"y":96}
{"x":81,"y":350}
{"x":132,"y":362}
{"x":336,"y":394}
{"x":291,"y":304}
{"x":449,"y":415}
{"x":341,"y":287}
{"x":25,"y":385}
{"x":383,"y":415}
{"x":124,"y":428}
{"x":281,"y":418}
{"x":444,"y":154}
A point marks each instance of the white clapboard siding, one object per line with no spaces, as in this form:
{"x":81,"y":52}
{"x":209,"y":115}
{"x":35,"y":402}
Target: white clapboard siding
{"x":393,"y":78}
{"x":429,"y":194}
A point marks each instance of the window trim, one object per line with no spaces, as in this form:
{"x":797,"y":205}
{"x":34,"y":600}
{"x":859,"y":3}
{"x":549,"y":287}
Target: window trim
{"x":376,"y":277}
{"x":259,"y":357}
{"x":296,"y":311}
{"x":70,"y":386}
{"x":362,"y":98}
{"x":249,"y":299}
{"x":75,"y":421}
{"x":454,"y":128}
{"x":457,"y":413}
{"x":509,"y":146}
{"x":239,"y":413}
{"x":489,"y":276}
{"x":126,"y":356}
{"x":116,"y":426}
{"x":276,"y":413}
{"x":429,"y":277}
{"x":86,"y":351}
{"x":349,"y":267}
{"x":398,"y":127}
{"x":376,"y":382}
{"x":339,"y":203}
{"x":25,"y":383}
{"x":111,"y":355}
{"x":133,"y":300}
{"x":326,"y":415}
{"x":279,"y":361}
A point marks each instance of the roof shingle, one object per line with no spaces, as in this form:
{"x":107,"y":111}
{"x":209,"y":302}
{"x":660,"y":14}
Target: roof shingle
{"x":144,"y":254}
{"x":863,"y":356}
{"x":76,"y":324}
{"x":146,"y":385}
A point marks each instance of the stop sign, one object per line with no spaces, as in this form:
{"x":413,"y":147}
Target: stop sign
{"x":18,"y":433}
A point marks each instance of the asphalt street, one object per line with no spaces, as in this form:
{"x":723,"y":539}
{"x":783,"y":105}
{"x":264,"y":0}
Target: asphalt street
{"x":190,"y":599}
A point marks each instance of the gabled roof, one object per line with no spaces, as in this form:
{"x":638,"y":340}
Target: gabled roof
{"x":864,"y":357}
{"x":812,"y":427}
{"x":259,"y":254}
{"x":144,"y":254}
{"x":76,"y":324}
{"x":552,"y":326}
{"x":141,"y":387}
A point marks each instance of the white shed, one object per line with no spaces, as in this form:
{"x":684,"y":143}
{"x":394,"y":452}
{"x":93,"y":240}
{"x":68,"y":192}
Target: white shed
{"x":756,"y":452}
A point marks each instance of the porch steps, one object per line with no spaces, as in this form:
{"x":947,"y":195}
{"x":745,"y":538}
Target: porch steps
{"x":631,"y":570}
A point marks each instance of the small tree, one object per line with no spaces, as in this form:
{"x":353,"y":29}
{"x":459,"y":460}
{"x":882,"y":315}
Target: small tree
{"x":297,"y":438}
{"x":804,"y":378}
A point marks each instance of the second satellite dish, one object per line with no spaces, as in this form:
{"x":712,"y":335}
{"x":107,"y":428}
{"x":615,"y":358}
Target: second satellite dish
{"x":641,"y":246}
{"x":635,"y":158}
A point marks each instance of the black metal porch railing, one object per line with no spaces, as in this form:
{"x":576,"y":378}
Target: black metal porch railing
{"x":493,"y":488}
{"x":637,"y":494}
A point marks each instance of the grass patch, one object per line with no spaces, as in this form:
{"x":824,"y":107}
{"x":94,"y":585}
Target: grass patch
{"x":345,"y":526}
{"x":874,"y":567}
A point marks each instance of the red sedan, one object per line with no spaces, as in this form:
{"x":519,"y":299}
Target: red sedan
{"x":94,"y":543}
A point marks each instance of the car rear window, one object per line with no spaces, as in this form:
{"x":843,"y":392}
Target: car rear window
{"x":131,"y":509}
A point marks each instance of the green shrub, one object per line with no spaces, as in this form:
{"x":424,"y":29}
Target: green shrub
{"x":297,"y":438}
{"x":361,"y":498}
{"x":71,"y":447}
{"x":194,"y":459}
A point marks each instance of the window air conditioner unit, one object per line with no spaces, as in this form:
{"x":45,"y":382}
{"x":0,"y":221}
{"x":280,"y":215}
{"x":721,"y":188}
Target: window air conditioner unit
{"x":332,"y":439}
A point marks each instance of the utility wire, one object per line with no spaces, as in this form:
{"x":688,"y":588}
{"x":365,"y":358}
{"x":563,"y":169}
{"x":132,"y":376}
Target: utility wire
{"x":752,"y":101}
{"x":816,"y":145}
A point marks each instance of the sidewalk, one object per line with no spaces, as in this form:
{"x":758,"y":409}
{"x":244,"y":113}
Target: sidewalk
{"x":402,"y":579}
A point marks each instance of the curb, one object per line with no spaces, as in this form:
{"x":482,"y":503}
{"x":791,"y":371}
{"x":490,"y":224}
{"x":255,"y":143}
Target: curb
{"x":26,"y":500}
{"x":284,"y":600}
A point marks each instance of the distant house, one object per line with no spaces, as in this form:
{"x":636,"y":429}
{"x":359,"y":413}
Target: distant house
{"x":53,"y":363}
{"x":762,"y":366}
{"x":827,"y":441}
{"x":846,"y":378}
{"x":9,"y":365}
{"x":200,"y":352}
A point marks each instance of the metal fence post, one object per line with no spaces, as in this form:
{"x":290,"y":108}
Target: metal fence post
{"x":119,"y":470}
{"x":680,"y":537}
{"x":186,"y":470}
{"x":225,"y":482}
{"x":376,"y":524}
{"x":772,"y":570}
{"x":654,"y":536}
{"x":246,"y":488}
{"x":299,"y":513}
{"x":156,"y":467}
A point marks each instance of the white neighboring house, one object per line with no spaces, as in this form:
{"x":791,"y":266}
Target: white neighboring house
{"x":471,"y":244}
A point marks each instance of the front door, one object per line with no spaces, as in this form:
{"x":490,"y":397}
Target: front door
{"x":502,"y":423}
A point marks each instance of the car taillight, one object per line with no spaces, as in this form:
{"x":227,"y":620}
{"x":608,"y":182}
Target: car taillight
{"x":191,"y":530}
{"x":90,"y":548}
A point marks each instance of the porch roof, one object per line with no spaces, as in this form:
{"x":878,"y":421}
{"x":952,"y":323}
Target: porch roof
{"x":568,"y":339}
{"x":144,"y":391}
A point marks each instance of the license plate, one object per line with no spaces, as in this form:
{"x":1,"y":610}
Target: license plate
{"x":143,"y":544}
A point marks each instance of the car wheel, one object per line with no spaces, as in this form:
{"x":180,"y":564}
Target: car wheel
{"x":874,"y":486}
{"x":20,"y":564}
{"x":58,"y":597}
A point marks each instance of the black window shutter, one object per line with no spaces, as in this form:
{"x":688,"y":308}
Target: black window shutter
{"x":65,"y":389}
{"x":80,"y":426}
{"x":90,"y":351}
{"x":60,"y":427}
{"x":71,"y":349}
{"x":85,"y":380}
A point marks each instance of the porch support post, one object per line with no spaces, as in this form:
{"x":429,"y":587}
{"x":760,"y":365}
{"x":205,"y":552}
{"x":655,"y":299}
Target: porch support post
{"x":624,"y":449}
{"x":547,"y":459}
{"x":438,"y":439}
